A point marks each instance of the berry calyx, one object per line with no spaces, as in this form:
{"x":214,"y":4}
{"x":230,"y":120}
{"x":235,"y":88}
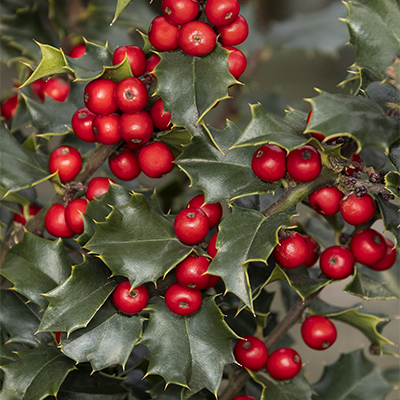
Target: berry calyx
{"x":191,"y":225}
{"x":73,"y":215}
{"x":212,"y":210}
{"x":269,"y":163}
{"x":318,"y":332}
{"x":136,"y":58}
{"x":182,"y":300}
{"x":326,"y":200}
{"x":284,"y":363}
{"x":337,"y":262}
{"x":304,"y":163}
{"x":130,"y":300}
{"x":55,"y":222}
{"x":131,"y":95}
{"x":357,"y":210}
{"x":156,"y":159}
{"x":163,"y":35}
{"x":124,"y":165}
{"x":234,"y":33}
{"x":192,"y":272}
{"x":97,"y":187}
{"x":388,"y":259}
{"x":196,"y":38}
{"x":82,"y":124}
{"x":251,"y":353}
{"x":291,"y":252}
{"x":99,"y":96}
{"x":67,"y":161}
{"x":181,"y":11}
{"x":222,"y":12}
{"x":368,"y":246}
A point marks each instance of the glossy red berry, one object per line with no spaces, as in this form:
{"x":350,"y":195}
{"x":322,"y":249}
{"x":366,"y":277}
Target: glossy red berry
{"x":151,"y":63}
{"x":163,"y":35}
{"x":182,"y":300}
{"x":131,"y":95}
{"x":244,"y":397}
{"x":196,"y":38}
{"x":317,"y":135}
{"x":136,"y":128}
{"x":55,"y":222}
{"x":284,"y":363}
{"x":222,"y":12}
{"x":191,"y":225}
{"x":212,"y":210}
{"x":318,"y":332}
{"x":326,"y":200}
{"x":67,"y":161}
{"x":106,"y":129}
{"x":9,"y":107}
{"x":124,"y":165}
{"x":82,"y":124}
{"x":234,"y":33}
{"x":97,"y":187}
{"x":313,"y":251}
{"x":337,"y":262}
{"x":368,"y":246}
{"x":192,"y":272}
{"x":357,"y":210}
{"x":160,"y":117}
{"x":77,"y":51}
{"x":237,"y":61}
{"x":212,"y":246}
{"x":37,"y":87}
{"x":156,"y":159}
{"x":99,"y":96}
{"x":133,"y":146}
{"x":251,"y":353}
{"x":73,"y":215}
{"x":178,"y":12}
{"x":136,"y":58}
{"x":388,"y":259}
{"x":269,"y":163}
{"x":58,"y":336}
{"x":20,"y":218}
{"x":304,"y":163}
{"x":291,"y":252}
{"x":214,"y":279}
{"x":56,"y":88}
{"x":130,"y":300}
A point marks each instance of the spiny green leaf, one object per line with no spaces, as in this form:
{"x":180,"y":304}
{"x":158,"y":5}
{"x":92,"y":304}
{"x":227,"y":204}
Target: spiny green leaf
{"x":36,"y":266}
{"x":121,"y":5}
{"x":171,"y":392}
{"x":390,"y":216}
{"x":392,"y":181}
{"x":175,"y":140}
{"x":7,"y":355}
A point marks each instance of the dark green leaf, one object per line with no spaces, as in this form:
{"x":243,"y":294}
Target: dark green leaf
{"x":390,"y":217}
{"x":394,"y":154}
{"x":7,"y":355}
{"x":392,"y":183}
{"x":121,"y":5}
{"x":175,"y":139}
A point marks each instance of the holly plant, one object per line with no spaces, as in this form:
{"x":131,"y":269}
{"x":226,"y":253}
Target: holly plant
{"x":163,"y":239}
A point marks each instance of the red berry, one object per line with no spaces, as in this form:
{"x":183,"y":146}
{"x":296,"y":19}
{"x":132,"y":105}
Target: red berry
{"x":55,"y":222}
{"x":178,"y":12}
{"x":337,"y":262}
{"x":304,"y":163}
{"x":163,"y":35}
{"x":313,"y":251}
{"x":196,"y":38}
{"x":368,"y":246}
{"x":151,"y":63}
{"x":234,"y":33}
{"x":82,"y":124}
{"x":136,"y":128}
{"x":244,"y":397}
{"x":182,"y":300}
{"x":388,"y":259}
{"x":291,"y":252}
{"x":283,"y":364}
{"x":269,"y":163}
{"x":67,"y":161}
{"x":73,"y":215}
{"x":237,"y":61}
{"x":20,"y":218}
{"x":251,"y":353}
{"x":192,"y":272}
{"x":97,"y":187}
{"x":355,"y":158}
{"x":222,"y":12}
{"x":56,"y":88}
{"x":214,"y":279}
{"x":317,"y":135}
{"x":99,"y":96}
{"x":325,"y":201}
{"x":156,"y":159}
{"x":133,"y":146}
{"x":130,"y":300}
{"x":318,"y":332}
{"x":131,"y":95}
{"x":77,"y":51}
{"x":357,"y":210}
{"x":212,"y":210}
{"x":124,"y":165}
{"x":9,"y":107}
{"x":37,"y":87}
{"x":106,"y":129}
{"x":58,"y":336}
{"x":212,"y":249}
{"x":136,"y":58}
{"x":160,"y":117}
{"x":191,"y":225}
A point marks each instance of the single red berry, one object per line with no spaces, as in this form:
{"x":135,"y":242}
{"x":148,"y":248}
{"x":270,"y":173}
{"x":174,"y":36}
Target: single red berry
{"x":222,"y":12}
{"x":97,"y":187}
{"x":77,"y":51}
{"x":151,"y":63}
{"x":212,"y":210}
{"x":136,"y":58}
{"x":131,"y":95}
{"x":55,"y":222}
{"x":56,"y":88}
{"x":368,"y":246}
{"x":234,"y":33}
{"x":130,"y":300}
{"x":244,"y":397}
{"x":73,"y":215}
{"x":163,"y":35}
{"x":326,"y":200}
{"x":9,"y":107}
{"x":304,"y":163}
{"x":269,"y":163}
{"x":178,"y":12}
{"x":284,"y":363}
{"x":191,"y":225}
{"x":318,"y":332}
{"x":82,"y":124}
{"x":317,"y":135}
{"x":196,"y":38}
{"x":37,"y":87}
{"x":156,"y":159}
{"x":20,"y":218}
{"x":67,"y":161}
{"x":357,"y":210}
{"x":251,"y":353}
{"x":337,"y":262}
{"x":388,"y":259}
{"x":214,"y":279}
{"x":136,"y":128}
{"x":313,"y":251}
{"x":237,"y":61}
{"x":58,"y":336}
{"x":99,"y":96}
{"x":124,"y":165}
{"x":133,"y":146}
{"x":160,"y":117}
{"x":106,"y":129}
{"x":192,"y":272}
{"x":291,"y":252}
{"x":182,"y":300}
{"x":212,"y":246}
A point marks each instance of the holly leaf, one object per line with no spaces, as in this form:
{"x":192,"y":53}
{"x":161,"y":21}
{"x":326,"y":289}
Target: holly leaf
{"x":171,"y":392}
{"x":390,"y":218}
{"x":392,"y":183}
{"x":175,"y":139}
{"x":352,"y":376}
{"x":205,"y":165}
{"x":377,"y":47}
{"x":7,"y":355}
{"x":37,"y":373}
{"x":137,"y":242}
{"x":394,"y":154}
{"x":107,"y":340}
{"x":198,"y":347}
{"x":74,"y":303}
{"x":121,"y":5}
{"x":36,"y":266}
